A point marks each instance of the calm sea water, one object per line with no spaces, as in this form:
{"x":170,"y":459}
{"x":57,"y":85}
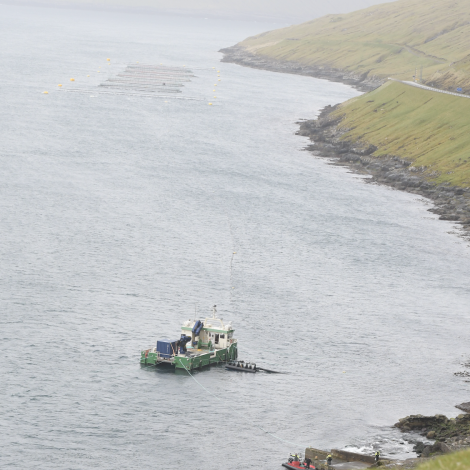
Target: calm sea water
{"x":119,"y":213}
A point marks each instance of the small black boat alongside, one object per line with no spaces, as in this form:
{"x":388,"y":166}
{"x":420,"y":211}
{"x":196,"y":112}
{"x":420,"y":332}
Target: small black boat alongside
{"x":241,"y":366}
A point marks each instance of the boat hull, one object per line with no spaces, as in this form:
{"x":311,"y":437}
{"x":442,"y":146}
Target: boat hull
{"x":199,"y":360}
{"x":241,"y":369}
{"x":296,"y":467}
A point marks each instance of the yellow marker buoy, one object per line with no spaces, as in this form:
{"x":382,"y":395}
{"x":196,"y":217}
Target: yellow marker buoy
{"x":108,"y":60}
{"x":219,"y":79}
{"x":137,"y":62}
{"x":215,"y":96}
{"x":45,"y":92}
{"x":59,"y":84}
{"x":213,"y":67}
{"x":88,"y":75}
{"x":213,"y":90}
{"x":98,"y":71}
{"x":210,"y":104}
{"x":72,"y":79}
{"x":218,"y":71}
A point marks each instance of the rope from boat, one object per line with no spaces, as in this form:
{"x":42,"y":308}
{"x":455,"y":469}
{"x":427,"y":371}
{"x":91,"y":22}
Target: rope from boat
{"x":244,"y":417}
{"x":231,"y":260}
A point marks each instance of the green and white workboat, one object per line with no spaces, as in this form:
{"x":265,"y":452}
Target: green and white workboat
{"x":201,"y":343}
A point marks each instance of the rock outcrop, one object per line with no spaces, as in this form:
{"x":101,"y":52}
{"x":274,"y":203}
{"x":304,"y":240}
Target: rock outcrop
{"x":443,"y":428}
{"x":464,"y":407}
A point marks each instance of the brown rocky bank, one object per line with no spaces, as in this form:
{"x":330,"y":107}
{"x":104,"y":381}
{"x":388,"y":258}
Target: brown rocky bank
{"x":450,"y":203}
{"x":241,"y":56}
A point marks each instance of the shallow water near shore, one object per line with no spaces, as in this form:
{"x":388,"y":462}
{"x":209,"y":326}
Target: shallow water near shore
{"x":119,"y":213}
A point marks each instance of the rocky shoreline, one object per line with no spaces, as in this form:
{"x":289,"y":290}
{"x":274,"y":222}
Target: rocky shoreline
{"x":239,"y":55}
{"x":449,"y":434}
{"x":441,"y":435}
{"x":450,"y":203}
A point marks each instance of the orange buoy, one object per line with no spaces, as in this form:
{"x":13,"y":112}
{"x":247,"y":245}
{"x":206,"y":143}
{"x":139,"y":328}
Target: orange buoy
{"x":45,"y":92}
{"x":59,"y":84}
{"x":72,"y":79}
{"x":108,"y":60}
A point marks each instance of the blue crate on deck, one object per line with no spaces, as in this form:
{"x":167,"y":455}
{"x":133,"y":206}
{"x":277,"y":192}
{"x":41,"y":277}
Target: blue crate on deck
{"x":167,"y":348}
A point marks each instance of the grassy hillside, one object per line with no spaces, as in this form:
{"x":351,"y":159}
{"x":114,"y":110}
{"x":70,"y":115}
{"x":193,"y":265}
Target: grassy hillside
{"x":457,"y":461}
{"x":432,"y":130}
{"x":385,"y":40}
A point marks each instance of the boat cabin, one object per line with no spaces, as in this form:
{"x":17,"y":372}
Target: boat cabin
{"x":213,"y":333}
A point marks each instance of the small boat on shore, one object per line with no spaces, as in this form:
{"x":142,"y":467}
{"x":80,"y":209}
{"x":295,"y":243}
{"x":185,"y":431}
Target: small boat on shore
{"x":202,"y":342}
{"x":295,"y":463}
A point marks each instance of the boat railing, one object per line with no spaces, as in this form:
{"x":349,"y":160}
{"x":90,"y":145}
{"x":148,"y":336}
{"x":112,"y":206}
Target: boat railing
{"x":160,"y":357}
{"x":209,"y":323}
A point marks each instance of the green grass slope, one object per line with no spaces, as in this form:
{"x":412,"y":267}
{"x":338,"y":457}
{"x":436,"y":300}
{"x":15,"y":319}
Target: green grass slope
{"x":385,"y":40}
{"x":457,"y":461}
{"x":429,"y":129}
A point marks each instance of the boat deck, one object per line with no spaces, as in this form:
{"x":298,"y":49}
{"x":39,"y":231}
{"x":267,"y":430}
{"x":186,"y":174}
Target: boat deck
{"x":193,"y":358}
{"x":192,"y":352}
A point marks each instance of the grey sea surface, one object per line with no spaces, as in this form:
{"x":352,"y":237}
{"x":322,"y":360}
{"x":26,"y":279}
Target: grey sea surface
{"x":120,"y":212}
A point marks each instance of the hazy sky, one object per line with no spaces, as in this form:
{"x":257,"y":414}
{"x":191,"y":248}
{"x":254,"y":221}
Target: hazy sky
{"x":287,"y":10}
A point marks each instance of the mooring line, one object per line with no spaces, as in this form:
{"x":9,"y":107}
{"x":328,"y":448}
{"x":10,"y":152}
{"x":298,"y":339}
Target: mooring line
{"x":231,"y":260}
